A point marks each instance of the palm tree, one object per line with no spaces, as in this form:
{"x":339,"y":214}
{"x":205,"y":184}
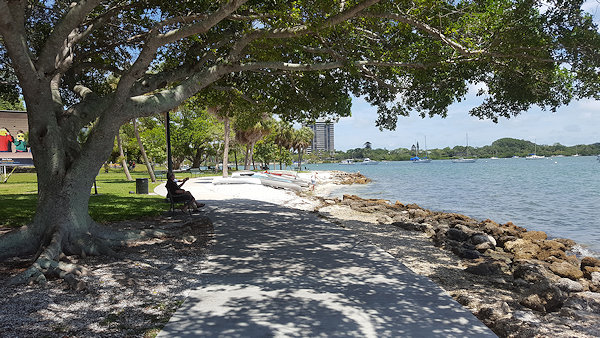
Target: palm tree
{"x":250,"y":136}
{"x":302,"y":140}
{"x":283,"y":139}
{"x":367,"y":145}
{"x":222,"y":115}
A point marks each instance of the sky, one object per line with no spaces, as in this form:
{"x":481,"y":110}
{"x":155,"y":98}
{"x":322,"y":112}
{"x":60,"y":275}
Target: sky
{"x":577,"y":123}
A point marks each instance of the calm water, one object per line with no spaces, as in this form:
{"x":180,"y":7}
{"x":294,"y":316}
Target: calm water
{"x":560,"y":196}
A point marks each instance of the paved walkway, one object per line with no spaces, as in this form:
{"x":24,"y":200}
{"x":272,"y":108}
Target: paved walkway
{"x":279,"y":272}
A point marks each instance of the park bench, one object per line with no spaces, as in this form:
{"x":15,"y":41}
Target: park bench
{"x":162,"y":174}
{"x":172,"y":201}
{"x":195,"y":171}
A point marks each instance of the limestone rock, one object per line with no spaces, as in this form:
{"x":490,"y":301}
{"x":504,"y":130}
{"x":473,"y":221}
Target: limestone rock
{"x":595,"y":278}
{"x":543,"y":297}
{"x":500,"y":255}
{"x":590,"y":261}
{"x":551,"y":255}
{"x":589,"y":270}
{"x":584,"y":301}
{"x":522,"y":248}
{"x":552,"y":245}
{"x":457,"y":235}
{"x":533,"y":271}
{"x":566,"y":270}
{"x":480,"y":238}
{"x":533,"y":235}
{"x":568,"y":243}
{"x":483,"y":247}
{"x":488,"y":268}
{"x":502,"y":240}
{"x":568,"y":285}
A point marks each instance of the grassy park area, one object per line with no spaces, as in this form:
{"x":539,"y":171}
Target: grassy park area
{"x":114,"y":202}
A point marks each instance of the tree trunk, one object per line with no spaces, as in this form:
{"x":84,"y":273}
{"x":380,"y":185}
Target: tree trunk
{"x":141,"y":145}
{"x":252,"y":155}
{"x":62,"y":224}
{"x":247,"y":157}
{"x":226,"y":147}
{"x":236,"y":161}
{"x":124,"y":161}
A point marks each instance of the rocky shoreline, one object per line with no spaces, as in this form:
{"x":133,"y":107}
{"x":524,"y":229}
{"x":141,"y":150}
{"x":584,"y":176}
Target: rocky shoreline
{"x":522,"y":284}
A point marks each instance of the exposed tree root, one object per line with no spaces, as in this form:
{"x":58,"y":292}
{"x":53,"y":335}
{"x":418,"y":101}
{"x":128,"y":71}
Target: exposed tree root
{"x":47,"y":262}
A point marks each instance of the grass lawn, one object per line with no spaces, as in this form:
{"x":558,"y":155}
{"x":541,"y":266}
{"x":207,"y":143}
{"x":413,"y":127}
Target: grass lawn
{"x":114,"y":202}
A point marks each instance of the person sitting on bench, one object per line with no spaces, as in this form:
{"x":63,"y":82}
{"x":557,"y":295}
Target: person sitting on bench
{"x":180,"y":195}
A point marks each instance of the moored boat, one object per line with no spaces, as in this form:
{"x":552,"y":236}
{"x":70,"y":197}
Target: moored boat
{"x":369,"y":161}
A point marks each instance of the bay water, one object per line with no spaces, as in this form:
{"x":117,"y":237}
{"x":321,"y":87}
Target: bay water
{"x":558,"y":195}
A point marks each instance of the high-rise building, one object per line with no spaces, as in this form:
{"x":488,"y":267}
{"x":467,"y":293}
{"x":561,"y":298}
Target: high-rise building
{"x":323,"y":139}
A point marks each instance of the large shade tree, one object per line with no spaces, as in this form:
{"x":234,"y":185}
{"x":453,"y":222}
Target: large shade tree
{"x":303,"y":59}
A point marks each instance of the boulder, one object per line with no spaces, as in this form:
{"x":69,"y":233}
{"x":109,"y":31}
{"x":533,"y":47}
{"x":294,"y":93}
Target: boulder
{"x":568,"y":243}
{"x":552,"y":245}
{"x":565,"y":284}
{"x":543,"y":297}
{"x":595,"y":278}
{"x":566,"y":270}
{"x":500,"y":255}
{"x":590,"y":261}
{"x":584,"y":301}
{"x":589,"y":270}
{"x":551,"y":255}
{"x":480,"y":238}
{"x":533,"y":271}
{"x":488,"y":268}
{"x":494,"y":312}
{"x":533,"y":235}
{"x":484,"y":247}
{"x":502,"y":240}
{"x":522,"y":248}
{"x":457,"y":235}
{"x":407,"y":225}
{"x":511,"y":229}
{"x":414,"y":213}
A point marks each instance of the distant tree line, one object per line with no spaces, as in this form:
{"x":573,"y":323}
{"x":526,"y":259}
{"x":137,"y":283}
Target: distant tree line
{"x":502,"y":148}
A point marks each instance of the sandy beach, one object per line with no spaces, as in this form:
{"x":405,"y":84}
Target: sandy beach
{"x":136,"y":296}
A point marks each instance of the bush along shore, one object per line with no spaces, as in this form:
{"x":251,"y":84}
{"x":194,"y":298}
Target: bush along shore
{"x":522,"y":284}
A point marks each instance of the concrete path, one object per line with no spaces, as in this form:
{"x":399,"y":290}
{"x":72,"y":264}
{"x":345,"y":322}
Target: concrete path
{"x":279,"y":272}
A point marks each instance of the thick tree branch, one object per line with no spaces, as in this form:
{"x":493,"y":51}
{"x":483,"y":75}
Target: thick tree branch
{"x":62,"y":36}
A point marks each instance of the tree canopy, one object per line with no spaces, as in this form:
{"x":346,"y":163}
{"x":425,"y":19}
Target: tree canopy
{"x":109,"y":61}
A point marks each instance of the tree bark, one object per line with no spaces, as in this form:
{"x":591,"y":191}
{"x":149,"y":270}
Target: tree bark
{"x":124,"y":160}
{"x":227,"y":129}
{"x":141,"y":145}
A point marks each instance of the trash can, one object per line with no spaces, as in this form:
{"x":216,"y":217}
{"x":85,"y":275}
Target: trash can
{"x":141,"y":186}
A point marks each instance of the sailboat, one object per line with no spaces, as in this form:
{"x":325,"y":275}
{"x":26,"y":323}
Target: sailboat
{"x":534,"y":156}
{"x":465,"y":160}
{"x":416,"y":159}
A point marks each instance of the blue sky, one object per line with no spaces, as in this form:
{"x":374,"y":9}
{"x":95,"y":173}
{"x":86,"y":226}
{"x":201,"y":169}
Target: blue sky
{"x":578,"y":123}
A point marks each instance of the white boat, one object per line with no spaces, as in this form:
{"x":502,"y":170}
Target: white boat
{"x":465,"y":160}
{"x":493,"y":158}
{"x":534,"y":156}
{"x":347,"y":162}
{"x":236,"y":180}
{"x":242,"y":173}
{"x":278,"y":182}
{"x":417,"y":159}
{"x":369,"y":161}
